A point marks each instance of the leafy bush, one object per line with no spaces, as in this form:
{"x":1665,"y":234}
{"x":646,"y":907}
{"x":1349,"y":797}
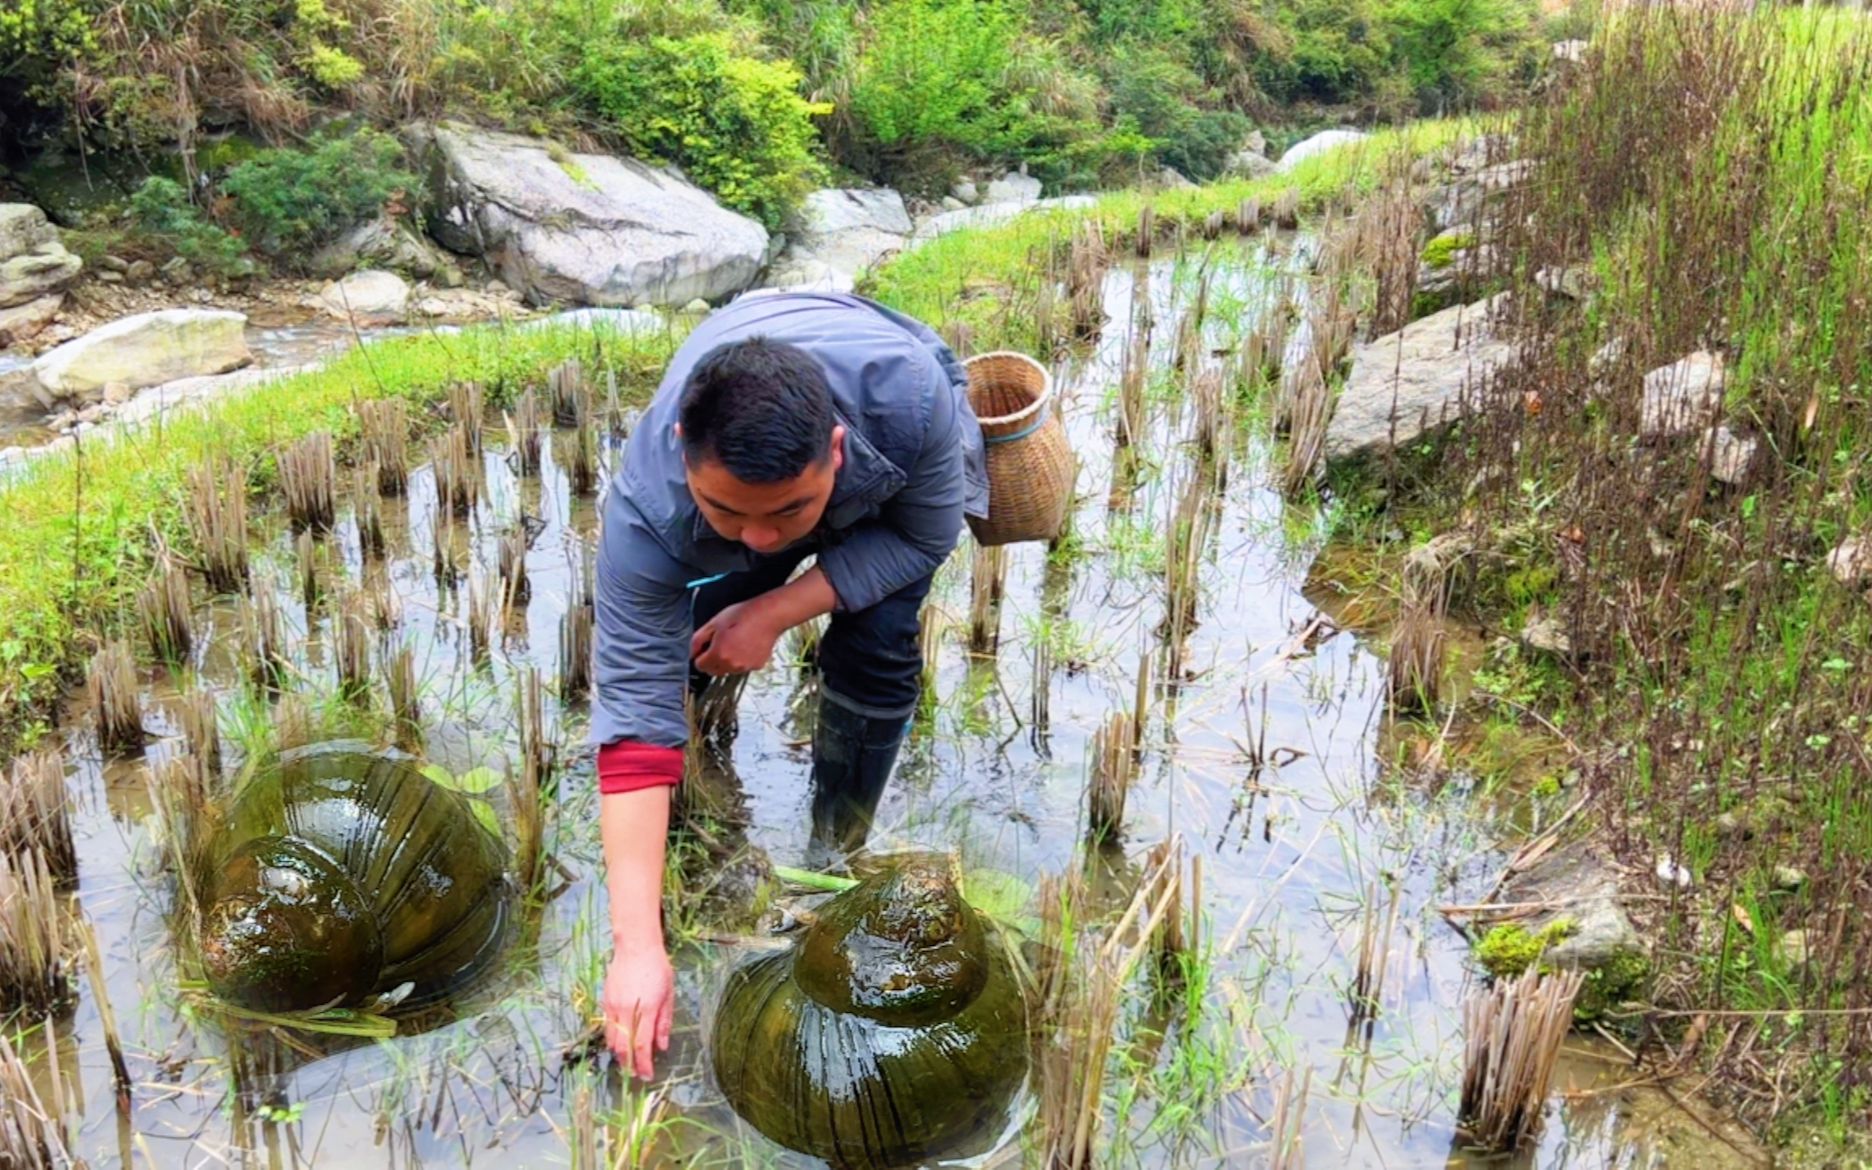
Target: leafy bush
{"x":1461,"y":52}
{"x":1166,"y":101}
{"x":162,"y":211}
{"x":1339,"y":51}
{"x":38,"y":38}
{"x":287,"y":202}
{"x":736,"y":124}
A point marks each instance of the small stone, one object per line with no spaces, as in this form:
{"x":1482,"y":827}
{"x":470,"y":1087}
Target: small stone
{"x":175,"y":269}
{"x":497,"y":288}
{"x":140,"y":272}
{"x":1547,"y":635}
{"x":696,"y":306}
{"x":1794,"y":948}
{"x":92,"y":413}
{"x":1730,"y":825}
{"x":117,"y":393}
{"x":1571,"y":52}
{"x":200,"y":296}
{"x":111,"y":263}
{"x":951,"y":203}
{"x":1670,"y":873}
{"x":1684,"y":396}
{"x":964,"y":191}
{"x":1731,"y":456}
{"x":1851,"y":562}
{"x":1574,"y":282}
{"x":110,"y":277}
{"x":1789,"y":878}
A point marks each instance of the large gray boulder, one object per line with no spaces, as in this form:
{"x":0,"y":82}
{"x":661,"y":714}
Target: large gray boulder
{"x":1319,"y":143}
{"x":838,"y":234}
{"x":390,"y":243}
{"x":23,"y":322}
{"x":1012,"y":189}
{"x":1407,"y":384}
{"x":1248,"y":164}
{"x":1682,"y":397}
{"x":147,"y":349}
{"x":582,"y":228}
{"x":33,"y":264}
{"x":371,"y":297}
{"x":1470,"y":198}
{"x":1578,"y":887}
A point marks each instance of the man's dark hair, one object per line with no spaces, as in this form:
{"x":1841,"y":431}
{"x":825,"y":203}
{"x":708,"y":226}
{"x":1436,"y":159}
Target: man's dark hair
{"x":762,"y":408}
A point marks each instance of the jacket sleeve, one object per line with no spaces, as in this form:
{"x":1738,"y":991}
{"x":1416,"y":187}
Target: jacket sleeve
{"x":642,"y":644}
{"x":917,"y":528}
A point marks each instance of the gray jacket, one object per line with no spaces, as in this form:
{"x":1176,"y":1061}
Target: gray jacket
{"x":913,"y":468}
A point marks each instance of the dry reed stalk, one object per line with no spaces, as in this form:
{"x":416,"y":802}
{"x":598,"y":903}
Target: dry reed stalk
{"x":1289,"y":1122}
{"x":1366,"y":995}
{"x":987,"y":582}
{"x":717,"y":713}
{"x":1306,"y":388}
{"x":1082,"y":987}
{"x":1512,"y":1033}
{"x":217,"y":516}
{"x":1248,"y":216}
{"x":34,"y":815}
{"x":582,"y":461}
{"x":163,"y":606}
{"x":1386,"y":229}
{"x":111,"y":686}
{"x":292,"y":723}
{"x":405,"y":698}
{"x":1285,"y":213}
{"x":1211,"y":407}
{"x":467,"y":407}
{"x":308,"y":476}
{"x":1213,"y":224}
{"x":1146,"y":230}
{"x":1040,"y":705}
{"x":1086,"y":263}
{"x":936,"y":624}
{"x":194,"y":712}
{"x":30,"y":1135}
{"x":351,"y":641}
{"x":575,"y":633}
{"x":1188,"y":350}
{"x":523,"y":433}
{"x":516,"y":589}
{"x":445,"y":563}
{"x":1173,"y":937}
{"x":1132,"y":384}
{"x":1188,"y":537}
{"x":538,"y":754}
{"x":570,"y":393}
{"x":384,"y":424}
{"x":311,"y":587}
{"x":1415,"y":672}
{"x":263,"y":639}
{"x":483,"y":614}
{"x":35,"y":969}
{"x":182,"y":793}
{"x":457,"y":472}
{"x":1114,"y":766}
{"x":368,"y":505}
{"x":1141,"y":702}
{"x":107,"y":1016}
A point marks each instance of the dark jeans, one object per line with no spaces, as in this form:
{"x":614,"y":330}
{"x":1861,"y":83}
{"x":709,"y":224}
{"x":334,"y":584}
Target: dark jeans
{"x":871,"y":660}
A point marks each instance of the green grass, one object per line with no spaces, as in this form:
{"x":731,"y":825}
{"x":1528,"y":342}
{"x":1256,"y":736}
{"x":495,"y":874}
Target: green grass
{"x":83,"y":524}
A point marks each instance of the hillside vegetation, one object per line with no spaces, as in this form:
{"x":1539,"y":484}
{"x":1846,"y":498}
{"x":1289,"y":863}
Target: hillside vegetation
{"x":759,"y":100}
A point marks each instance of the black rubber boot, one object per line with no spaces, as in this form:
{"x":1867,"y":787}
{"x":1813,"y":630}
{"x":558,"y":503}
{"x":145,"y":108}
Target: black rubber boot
{"x":854,"y":748}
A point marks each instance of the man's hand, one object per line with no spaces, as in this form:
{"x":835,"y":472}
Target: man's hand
{"x":737,"y":640}
{"x":639,"y":1003}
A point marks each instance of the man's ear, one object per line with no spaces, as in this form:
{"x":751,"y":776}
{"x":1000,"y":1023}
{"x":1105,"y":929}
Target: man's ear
{"x":838,"y":447}
{"x":681,"y":448}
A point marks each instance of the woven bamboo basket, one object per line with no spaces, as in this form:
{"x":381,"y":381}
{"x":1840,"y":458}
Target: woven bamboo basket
{"x":1030,"y":465}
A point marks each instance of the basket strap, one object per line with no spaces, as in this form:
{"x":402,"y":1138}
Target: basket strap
{"x":1030,"y":428}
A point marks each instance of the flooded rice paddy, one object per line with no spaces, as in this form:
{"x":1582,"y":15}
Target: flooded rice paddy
{"x":1264,"y":750}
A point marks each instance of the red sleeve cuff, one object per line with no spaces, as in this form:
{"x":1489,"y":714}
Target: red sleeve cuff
{"x":626,"y":766}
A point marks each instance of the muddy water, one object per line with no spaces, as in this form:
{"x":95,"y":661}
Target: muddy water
{"x":1291,"y":852}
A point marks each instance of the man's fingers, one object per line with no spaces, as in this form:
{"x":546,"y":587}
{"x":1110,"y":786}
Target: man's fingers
{"x":665,"y":1016}
{"x":643,"y":1035}
{"x":699,"y":642}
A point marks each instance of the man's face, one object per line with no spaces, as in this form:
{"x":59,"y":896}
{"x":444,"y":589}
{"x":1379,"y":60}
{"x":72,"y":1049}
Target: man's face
{"x":766,"y":517}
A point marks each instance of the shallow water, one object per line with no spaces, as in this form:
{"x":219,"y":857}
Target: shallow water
{"x":1289,"y":853}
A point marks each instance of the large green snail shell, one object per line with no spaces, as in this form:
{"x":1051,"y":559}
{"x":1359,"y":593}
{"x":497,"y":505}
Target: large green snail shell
{"x":894,"y":1029}
{"x":341,"y":873}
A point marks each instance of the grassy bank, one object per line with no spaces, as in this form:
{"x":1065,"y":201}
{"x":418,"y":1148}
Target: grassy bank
{"x":1709,"y":173}
{"x":83,"y":524}
{"x":984,"y":286}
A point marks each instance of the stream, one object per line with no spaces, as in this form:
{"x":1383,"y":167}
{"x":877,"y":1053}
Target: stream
{"x":1291,"y":850}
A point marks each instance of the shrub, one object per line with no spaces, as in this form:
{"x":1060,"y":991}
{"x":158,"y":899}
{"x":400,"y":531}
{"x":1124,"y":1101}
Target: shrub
{"x":1166,"y":100}
{"x":1338,"y":51}
{"x":736,"y":124}
{"x":162,"y":211}
{"x":1461,"y":52}
{"x":287,"y":202}
{"x":38,"y":39}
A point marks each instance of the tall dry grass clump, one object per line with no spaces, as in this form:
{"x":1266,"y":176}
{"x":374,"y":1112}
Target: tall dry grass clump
{"x":384,"y":424}
{"x":1419,"y":636}
{"x":163,"y":610}
{"x":351,"y":627}
{"x":263,"y":639}
{"x":1087,"y":260}
{"x":368,"y":504}
{"x":216,"y":504}
{"x":35,"y":962}
{"x":1114,"y":767}
{"x":576,"y":626}
{"x":987,"y":582}
{"x":467,"y":404}
{"x":524,"y":426}
{"x":457,"y":469}
{"x":30,"y":1135}
{"x":569,"y":392}
{"x":308,"y":477}
{"x":1512,"y":1033}
{"x":405,"y":698}
{"x":35,"y":816}
{"x":115,"y":697}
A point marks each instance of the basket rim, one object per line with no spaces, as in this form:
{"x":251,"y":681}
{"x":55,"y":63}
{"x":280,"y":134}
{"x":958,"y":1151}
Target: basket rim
{"x":1046,"y":387}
